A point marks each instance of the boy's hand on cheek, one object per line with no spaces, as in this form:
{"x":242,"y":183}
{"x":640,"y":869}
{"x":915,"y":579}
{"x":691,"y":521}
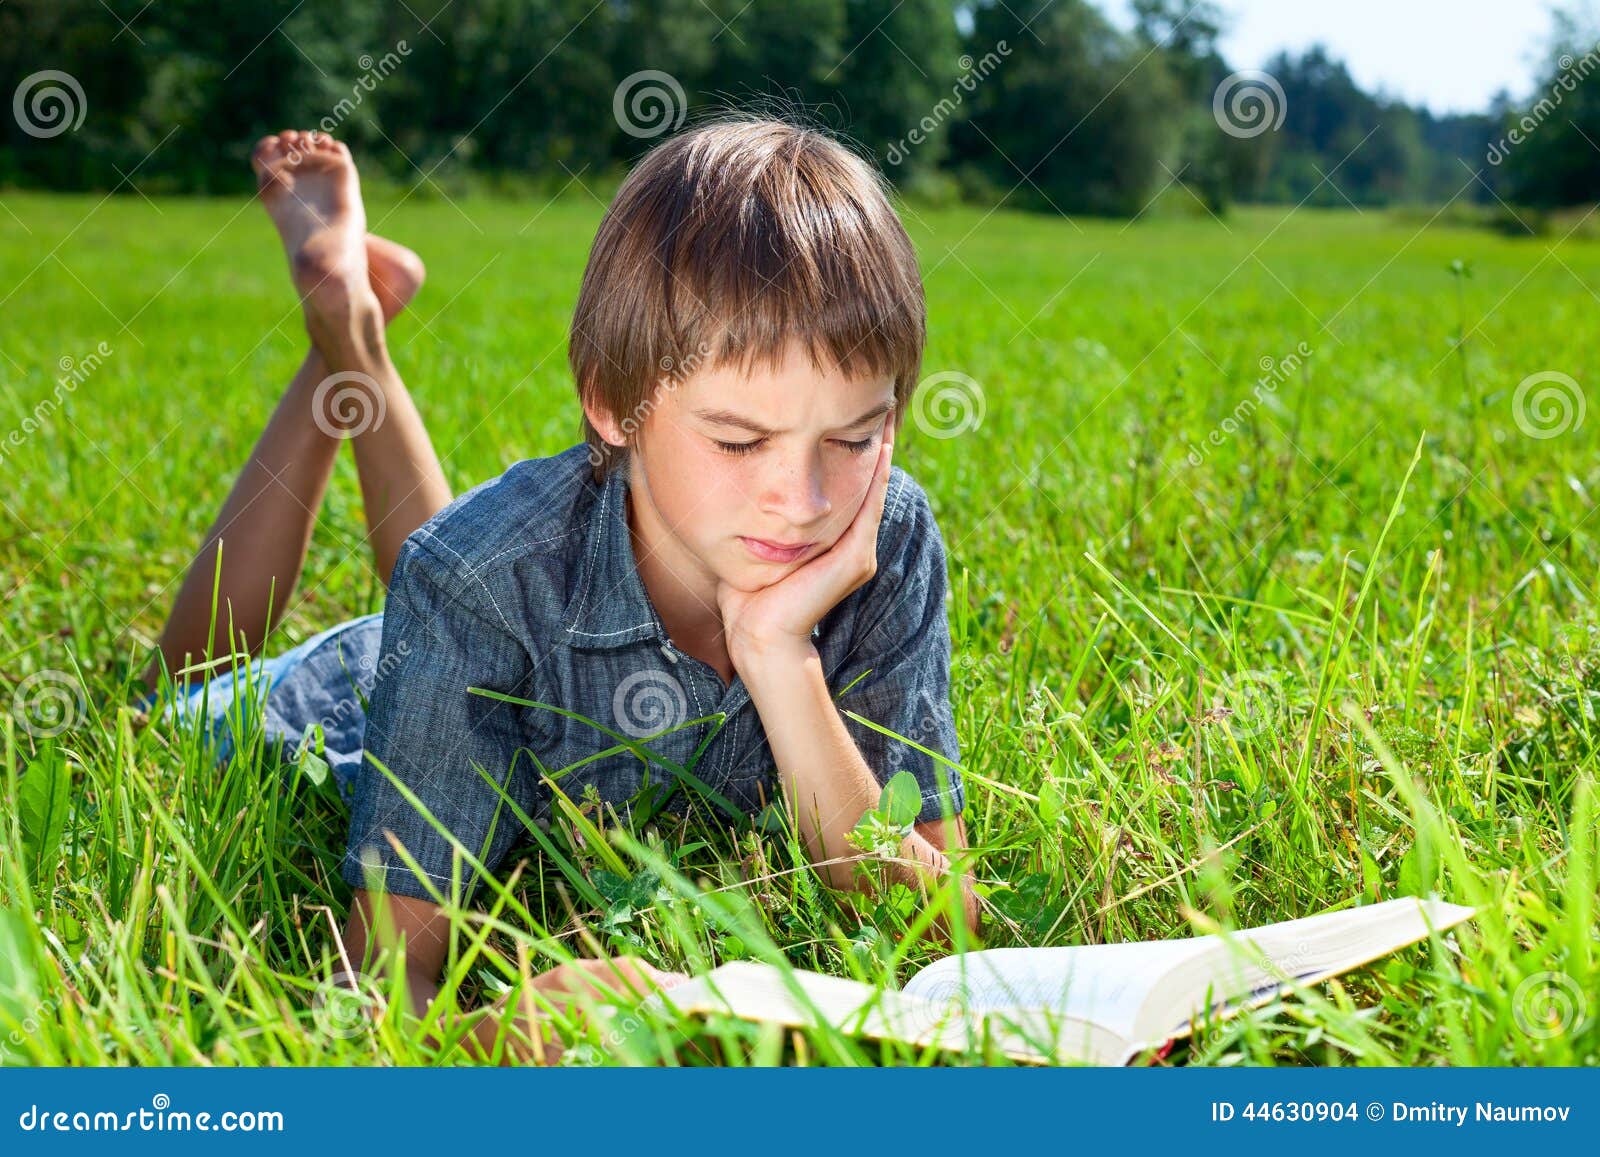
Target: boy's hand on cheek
{"x":775,"y":622}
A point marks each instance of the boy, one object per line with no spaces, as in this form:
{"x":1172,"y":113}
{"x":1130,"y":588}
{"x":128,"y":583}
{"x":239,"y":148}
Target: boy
{"x":731,"y":537}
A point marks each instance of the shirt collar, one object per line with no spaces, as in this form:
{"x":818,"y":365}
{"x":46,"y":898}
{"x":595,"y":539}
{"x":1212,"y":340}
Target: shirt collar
{"x":609,"y":607}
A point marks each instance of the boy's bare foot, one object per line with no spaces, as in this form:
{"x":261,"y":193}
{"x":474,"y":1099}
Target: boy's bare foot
{"x":394,"y":272}
{"x":309,"y":186}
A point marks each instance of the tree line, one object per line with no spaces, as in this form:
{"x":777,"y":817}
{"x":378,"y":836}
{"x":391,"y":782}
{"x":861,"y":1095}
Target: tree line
{"x":1044,"y":103}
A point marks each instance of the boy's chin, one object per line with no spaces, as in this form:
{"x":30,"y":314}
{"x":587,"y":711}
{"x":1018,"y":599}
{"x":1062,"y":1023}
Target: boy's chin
{"x":755,"y":577}
{"x":752,"y":576}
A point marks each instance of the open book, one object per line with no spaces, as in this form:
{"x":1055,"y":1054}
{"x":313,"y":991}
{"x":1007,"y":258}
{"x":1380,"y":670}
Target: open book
{"x":1095,"y":1004}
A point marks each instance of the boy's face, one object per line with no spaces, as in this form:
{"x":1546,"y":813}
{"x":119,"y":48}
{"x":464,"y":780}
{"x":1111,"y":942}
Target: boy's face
{"x":738,"y":466}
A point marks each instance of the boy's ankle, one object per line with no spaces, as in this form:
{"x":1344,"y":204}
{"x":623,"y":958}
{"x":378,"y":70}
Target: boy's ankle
{"x":350,"y":336}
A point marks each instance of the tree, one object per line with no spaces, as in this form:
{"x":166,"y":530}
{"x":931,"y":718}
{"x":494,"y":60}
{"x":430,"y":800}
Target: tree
{"x":1074,"y":119}
{"x":1551,"y":145}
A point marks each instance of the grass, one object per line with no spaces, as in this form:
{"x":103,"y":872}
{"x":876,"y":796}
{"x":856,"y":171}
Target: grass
{"x":1236,"y":637}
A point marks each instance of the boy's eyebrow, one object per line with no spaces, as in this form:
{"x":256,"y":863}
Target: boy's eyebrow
{"x":729,"y":418}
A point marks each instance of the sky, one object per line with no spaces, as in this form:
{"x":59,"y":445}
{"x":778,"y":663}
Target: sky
{"x":1450,"y":56}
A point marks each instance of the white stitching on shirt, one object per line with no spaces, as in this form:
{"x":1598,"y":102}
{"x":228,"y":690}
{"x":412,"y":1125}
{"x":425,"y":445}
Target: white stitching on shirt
{"x":475,"y":578}
{"x":607,"y":634}
{"x":900,"y":493}
{"x":588,"y":576}
{"x":568,"y":533}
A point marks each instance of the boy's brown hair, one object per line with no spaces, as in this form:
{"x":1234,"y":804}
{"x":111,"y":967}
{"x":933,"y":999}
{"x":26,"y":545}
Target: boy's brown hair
{"x":724,"y":244}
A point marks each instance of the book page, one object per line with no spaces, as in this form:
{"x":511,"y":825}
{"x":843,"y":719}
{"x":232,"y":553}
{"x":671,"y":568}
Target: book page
{"x":760,"y":992}
{"x":1147,"y":991}
{"x":1252,"y":966}
{"x":1104,"y":983}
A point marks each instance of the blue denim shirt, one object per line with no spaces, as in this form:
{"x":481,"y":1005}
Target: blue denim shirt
{"x":527,"y":585}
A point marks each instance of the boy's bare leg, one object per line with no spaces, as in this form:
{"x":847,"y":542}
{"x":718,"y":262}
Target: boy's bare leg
{"x":267,"y":520}
{"x":402,"y":484}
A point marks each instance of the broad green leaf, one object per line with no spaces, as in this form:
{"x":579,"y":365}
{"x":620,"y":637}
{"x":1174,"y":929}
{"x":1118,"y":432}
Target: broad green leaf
{"x":901,"y":801}
{"x":43,"y":798}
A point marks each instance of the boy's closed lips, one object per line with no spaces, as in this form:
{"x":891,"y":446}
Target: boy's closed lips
{"x":775,"y":552}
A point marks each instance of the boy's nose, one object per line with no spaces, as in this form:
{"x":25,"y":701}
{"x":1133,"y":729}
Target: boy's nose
{"x":797,"y":495}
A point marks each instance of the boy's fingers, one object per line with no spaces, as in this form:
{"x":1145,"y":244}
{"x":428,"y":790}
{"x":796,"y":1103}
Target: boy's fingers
{"x":871,"y":517}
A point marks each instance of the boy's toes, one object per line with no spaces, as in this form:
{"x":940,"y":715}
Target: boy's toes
{"x":267,"y":150}
{"x":266,"y":160}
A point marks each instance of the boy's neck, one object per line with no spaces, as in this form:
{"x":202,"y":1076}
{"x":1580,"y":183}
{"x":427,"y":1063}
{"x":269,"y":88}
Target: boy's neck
{"x":684,"y":596}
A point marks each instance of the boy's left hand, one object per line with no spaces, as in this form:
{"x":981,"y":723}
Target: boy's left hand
{"x":777,"y":620}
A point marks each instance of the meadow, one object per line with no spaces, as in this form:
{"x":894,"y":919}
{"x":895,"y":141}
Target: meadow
{"x":1272,"y":590}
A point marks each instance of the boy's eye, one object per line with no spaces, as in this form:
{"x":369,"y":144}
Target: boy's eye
{"x":860,"y":447}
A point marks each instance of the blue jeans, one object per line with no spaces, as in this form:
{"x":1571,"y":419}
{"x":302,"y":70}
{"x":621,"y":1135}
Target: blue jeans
{"x":307,"y":681}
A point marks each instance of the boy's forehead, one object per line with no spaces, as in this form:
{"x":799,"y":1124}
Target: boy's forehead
{"x":795,"y":390}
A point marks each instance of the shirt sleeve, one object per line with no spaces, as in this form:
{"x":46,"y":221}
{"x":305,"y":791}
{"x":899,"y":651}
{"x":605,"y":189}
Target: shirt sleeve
{"x":902,"y":642}
{"x":442,"y":634}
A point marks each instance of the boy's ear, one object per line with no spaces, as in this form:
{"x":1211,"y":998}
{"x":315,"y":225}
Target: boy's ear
{"x":601,"y":419}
